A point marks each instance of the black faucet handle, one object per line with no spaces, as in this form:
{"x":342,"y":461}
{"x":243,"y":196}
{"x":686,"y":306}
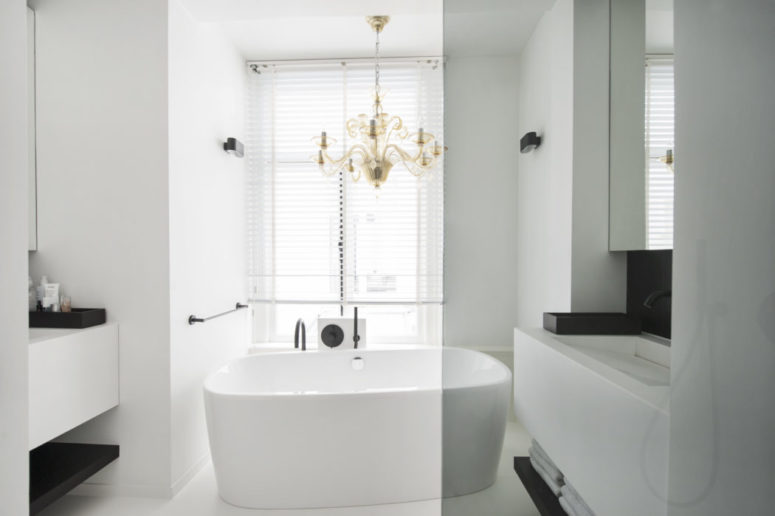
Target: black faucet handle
{"x":356,"y":337}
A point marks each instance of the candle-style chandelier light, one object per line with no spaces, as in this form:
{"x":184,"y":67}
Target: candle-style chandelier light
{"x":379,"y":138}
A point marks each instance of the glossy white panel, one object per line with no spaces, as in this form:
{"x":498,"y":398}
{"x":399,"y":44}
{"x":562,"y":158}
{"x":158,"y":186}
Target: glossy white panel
{"x":722,"y":448}
{"x":73,"y":378}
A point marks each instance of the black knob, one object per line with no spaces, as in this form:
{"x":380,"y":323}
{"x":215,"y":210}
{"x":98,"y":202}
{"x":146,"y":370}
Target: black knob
{"x":332,"y":335}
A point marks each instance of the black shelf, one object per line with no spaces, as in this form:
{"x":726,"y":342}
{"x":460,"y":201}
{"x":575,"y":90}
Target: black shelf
{"x":591,"y":323}
{"x":56,"y":468}
{"x":543,"y":497}
{"x":77,"y":318}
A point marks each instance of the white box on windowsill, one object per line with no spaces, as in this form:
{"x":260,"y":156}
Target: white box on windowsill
{"x":336,"y":333}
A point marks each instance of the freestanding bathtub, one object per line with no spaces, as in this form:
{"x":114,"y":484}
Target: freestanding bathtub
{"x":354,"y":427}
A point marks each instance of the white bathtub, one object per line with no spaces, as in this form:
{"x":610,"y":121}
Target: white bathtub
{"x":352,"y":427}
{"x":477,"y":393}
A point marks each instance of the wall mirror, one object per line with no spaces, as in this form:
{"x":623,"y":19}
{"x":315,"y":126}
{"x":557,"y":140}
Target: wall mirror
{"x":642,"y":125}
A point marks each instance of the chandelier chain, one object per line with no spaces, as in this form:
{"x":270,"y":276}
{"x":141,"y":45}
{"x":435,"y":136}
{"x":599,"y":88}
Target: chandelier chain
{"x":376,"y":73}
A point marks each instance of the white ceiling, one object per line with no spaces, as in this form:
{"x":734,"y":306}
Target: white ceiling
{"x":490,"y":27}
{"x":315,"y":29}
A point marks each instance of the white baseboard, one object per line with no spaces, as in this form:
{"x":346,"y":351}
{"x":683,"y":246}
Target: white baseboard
{"x":186,"y":477}
{"x":128,"y":490}
{"x":141,"y":491}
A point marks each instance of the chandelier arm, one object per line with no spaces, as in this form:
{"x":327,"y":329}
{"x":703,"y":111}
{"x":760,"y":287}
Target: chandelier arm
{"x":361,"y":149}
{"x":347,"y":155}
{"x":404,"y":156}
{"x":332,"y":170}
{"x":395,"y":124}
{"x":352,"y":127}
{"x":335,"y":165}
{"x":417,"y":169}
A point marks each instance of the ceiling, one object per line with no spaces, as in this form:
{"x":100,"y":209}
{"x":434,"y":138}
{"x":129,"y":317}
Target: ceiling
{"x":490,"y":27}
{"x":317,"y":29}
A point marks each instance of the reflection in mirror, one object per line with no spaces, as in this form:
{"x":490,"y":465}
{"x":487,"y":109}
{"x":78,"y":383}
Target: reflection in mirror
{"x":642,"y":125}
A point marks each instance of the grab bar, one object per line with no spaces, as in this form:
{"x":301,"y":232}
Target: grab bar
{"x":192,"y":319}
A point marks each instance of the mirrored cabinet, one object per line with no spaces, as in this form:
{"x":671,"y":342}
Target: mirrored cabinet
{"x":642,"y":125}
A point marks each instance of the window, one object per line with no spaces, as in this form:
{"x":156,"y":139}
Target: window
{"x":320,"y":245}
{"x":660,"y":138}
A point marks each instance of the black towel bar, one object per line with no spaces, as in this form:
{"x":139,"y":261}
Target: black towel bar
{"x":193,"y":319}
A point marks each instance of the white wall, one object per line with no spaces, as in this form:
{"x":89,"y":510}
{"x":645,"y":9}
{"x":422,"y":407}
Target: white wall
{"x":103,"y":207}
{"x":563,"y":261}
{"x":13,"y":259}
{"x":722,"y":449}
{"x":545,"y":193}
{"x":480,"y":106}
{"x":207,"y":223}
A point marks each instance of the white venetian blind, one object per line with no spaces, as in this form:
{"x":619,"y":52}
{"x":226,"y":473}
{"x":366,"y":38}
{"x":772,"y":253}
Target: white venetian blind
{"x":660,"y":137}
{"x":327,"y":240}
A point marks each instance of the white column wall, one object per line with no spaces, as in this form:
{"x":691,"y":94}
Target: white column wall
{"x":207,"y":224}
{"x":545,"y":190}
{"x":13,"y":258}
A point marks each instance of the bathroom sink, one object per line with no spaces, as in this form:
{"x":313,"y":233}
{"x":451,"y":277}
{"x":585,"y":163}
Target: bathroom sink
{"x":642,"y":358}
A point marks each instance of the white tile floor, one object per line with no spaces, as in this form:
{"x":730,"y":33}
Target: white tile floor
{"x":506,"y":497}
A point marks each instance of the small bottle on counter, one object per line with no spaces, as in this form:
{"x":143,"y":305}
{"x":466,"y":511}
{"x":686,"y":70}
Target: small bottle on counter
{"x":32,"y":294}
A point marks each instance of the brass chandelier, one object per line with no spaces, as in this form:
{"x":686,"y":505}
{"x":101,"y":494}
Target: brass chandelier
{"x":378,"y":138}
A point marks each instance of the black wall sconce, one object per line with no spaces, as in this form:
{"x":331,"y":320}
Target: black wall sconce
{"x":234,"y":147}
{"x":529,"y":142}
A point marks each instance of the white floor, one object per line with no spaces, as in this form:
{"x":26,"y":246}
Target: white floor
{"x":506,"y":497}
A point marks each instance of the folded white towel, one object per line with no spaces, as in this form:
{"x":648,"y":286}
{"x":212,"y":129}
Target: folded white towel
{"x":575,"y":500}
{"x":554,"y":486}
{"x":567,"y":507}
{"x":538,"y":449}
{"x":548,"y":466}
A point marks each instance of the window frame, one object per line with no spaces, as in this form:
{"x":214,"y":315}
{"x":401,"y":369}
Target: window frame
{"x":429,"y":313}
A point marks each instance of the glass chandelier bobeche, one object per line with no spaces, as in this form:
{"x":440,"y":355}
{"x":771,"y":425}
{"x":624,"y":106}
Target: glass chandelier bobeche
{"x":379,"y":138}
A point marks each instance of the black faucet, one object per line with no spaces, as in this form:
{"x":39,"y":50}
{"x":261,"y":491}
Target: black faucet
{"x":300,"y":325}
{"x":656,"y":296}
{"x":356,"y":337}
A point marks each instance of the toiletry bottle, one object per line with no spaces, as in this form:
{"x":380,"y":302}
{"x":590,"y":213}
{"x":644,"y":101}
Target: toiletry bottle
{"x":52,"y":296}
{"x":31,"y":294}
{"x":40,"y":291}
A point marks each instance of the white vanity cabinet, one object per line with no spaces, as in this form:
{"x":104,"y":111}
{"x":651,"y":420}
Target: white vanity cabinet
{"x":598,"y":405}
{"x":73,"y":377}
